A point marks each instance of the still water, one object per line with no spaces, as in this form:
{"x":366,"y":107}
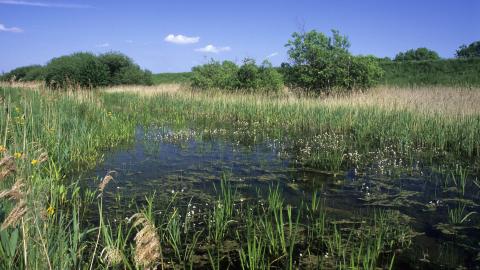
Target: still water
{"x":163,"y":163}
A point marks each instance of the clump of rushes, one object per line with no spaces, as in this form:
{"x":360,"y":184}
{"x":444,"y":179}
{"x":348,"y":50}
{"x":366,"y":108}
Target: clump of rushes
{"x":147,"y":242}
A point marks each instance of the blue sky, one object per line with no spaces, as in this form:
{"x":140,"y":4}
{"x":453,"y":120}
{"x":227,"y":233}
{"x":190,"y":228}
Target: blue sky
{"x":34,"y":31}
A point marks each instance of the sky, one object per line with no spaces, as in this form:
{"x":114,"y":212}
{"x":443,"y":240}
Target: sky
{"x":174,"y":36}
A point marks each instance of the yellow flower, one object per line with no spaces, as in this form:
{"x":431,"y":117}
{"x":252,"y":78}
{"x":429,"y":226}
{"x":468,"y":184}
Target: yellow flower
{"x":17,"y":155}
{"x":3,"y":149}
{"x":109,"y":114}
{"x":50,"y":210}
{"x":34,"y":162}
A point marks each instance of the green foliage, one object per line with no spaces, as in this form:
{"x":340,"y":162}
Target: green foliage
{"x":228,"y":76}
{"x":446,"y":72}
{"x":215,"y":75}
{"x":26,"y":73}
{"x":122,"y":70}
{"x":180,"y":77}
{"x":321,"y":63}
{"x":89,"y":70}
{"x":470,"y":51}
{"x":419,"y":54}
{"x":78,"y":69}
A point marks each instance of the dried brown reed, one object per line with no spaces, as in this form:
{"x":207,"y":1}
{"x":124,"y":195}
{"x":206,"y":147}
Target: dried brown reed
{"x":14,"y":193}
{"x":7,"y":166}
{"x":111,"y":256}
{"x":15,"y":215}
{"x":108,"y":177}
{"x":147,"y":242}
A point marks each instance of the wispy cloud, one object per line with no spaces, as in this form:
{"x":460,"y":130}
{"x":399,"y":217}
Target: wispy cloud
{"x":212,"y":49}
{"x":271,"y":55}
{"x":129,"y":41}
{"x":103,"y":45}
{"x":181,"y":39}
{"x":3,"y":28}
{"x":43,"y":4}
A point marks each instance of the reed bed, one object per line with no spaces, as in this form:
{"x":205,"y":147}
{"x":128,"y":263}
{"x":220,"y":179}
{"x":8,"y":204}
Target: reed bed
{"x":49,"y":138}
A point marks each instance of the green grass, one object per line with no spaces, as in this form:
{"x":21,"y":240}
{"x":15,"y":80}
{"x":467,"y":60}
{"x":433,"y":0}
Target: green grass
{"x":445,"y":72}
{"x":180,"y":77}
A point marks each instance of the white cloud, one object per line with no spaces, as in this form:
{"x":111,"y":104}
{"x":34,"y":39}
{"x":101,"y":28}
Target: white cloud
{"x":181,"y":39}
{"x":212,"y":49}
{"x":3,"y":28}
{"x":103,"y":45}
{"x":42,"y":4}
{"x":271,"y":55}
{"x":129,"y":41}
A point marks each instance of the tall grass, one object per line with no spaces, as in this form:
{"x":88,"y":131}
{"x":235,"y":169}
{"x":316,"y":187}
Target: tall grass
{"x":48,"y":139}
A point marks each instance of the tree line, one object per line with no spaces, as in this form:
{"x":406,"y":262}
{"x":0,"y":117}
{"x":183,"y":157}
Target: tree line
{"x":317,"y":63}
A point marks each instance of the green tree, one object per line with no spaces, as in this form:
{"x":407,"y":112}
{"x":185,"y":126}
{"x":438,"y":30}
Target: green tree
{"x":26,"y":73}
{"x":470,"y":51}
{"x":323,"y":63}
{"x":228,"y":76}
{"x":417,"y":55}
{"x":122,"y":70}
{"x":78,"y":69}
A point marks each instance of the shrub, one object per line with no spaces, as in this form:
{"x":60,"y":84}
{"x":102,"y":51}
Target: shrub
{"x":89,"y":70}
{"x":26,"y":73}
{"x":122,"y":70}
{"x":470,"y":51}
{"x":78,"y":69}
{"x":228,"y":76}
{"x":420,"y":54}
{"x":215,"y":75}
{"x":323,"y":64}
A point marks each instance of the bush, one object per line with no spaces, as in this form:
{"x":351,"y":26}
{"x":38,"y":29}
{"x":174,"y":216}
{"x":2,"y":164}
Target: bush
{"x":215,"y":75}
{"x":228,"y":76}
{"x":323,"y":64}
{"x":78,"y":69}
{"x":25,"y":74}
{"x":470,"y":51}
{"x":89,"y":70}
{"x":122,"y":70}
{"x":420,"y":54}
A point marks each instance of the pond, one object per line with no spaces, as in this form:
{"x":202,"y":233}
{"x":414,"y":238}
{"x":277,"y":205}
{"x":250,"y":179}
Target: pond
{"x":438,"y":208}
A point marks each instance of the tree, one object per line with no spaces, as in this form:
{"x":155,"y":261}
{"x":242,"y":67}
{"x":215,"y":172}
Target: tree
{"x":321,"y":63}
{"x":470,"y":51}
{"x":122,"y":70}
{"x":417,"y":55}
{"x":228,"y":76}
{"x":26,"y":73}
{"x":78,"y":69}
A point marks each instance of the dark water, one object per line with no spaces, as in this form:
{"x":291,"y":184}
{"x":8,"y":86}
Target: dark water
{"x":162,"y":163}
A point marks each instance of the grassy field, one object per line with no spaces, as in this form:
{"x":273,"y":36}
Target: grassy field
{"x":49,"y":138}
{"x":444,"y":72}
{"x":180,"y":77}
